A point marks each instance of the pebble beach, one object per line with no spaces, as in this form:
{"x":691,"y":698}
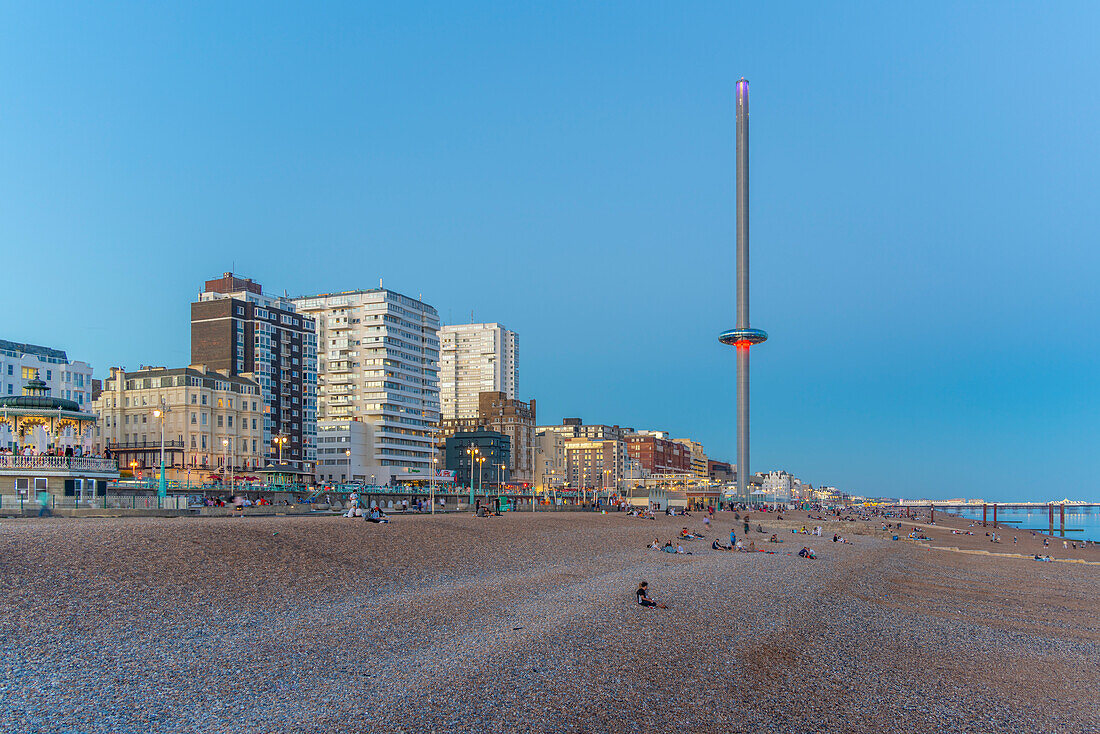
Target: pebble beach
{"x":528,"y":622}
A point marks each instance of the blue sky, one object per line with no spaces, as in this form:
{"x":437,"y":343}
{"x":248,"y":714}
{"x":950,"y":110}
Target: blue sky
{"x":924,"y":188}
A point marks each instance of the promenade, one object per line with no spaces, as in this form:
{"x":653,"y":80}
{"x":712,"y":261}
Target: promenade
{"x":528,"y":623}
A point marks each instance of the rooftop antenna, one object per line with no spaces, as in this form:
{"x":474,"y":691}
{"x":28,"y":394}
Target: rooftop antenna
{"x":380,"y":282}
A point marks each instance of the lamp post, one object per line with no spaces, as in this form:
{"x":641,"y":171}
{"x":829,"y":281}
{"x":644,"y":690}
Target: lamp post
{"x":133,"y":469}
{"x":473,"y":452}
{"x":480,"y":466}
{"x":431,"y":482}
{"x":162,"y":490}
{"x":280,"y":441}
{"x":225,"y":466}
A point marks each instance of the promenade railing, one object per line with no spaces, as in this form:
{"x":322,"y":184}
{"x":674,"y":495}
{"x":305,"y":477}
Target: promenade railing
{"x":58,"y":463}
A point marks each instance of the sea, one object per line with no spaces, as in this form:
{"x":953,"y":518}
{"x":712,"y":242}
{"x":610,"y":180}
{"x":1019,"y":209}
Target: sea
{"x":1083,"y":521}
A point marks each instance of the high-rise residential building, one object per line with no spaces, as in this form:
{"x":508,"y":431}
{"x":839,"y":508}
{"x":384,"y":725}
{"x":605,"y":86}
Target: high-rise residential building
{"x":475,"y":358}
{"x":698,"y":457}
{"x":378,"y":356}
{"x":237,"y":328}
{"x":65,"y":379}
{"x":212,"y":421}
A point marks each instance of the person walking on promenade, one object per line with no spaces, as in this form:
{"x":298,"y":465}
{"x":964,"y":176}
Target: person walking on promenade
{"x":44,"y":504}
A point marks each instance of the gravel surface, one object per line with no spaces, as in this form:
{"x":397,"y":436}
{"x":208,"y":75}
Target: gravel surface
{"x":456,"y":623}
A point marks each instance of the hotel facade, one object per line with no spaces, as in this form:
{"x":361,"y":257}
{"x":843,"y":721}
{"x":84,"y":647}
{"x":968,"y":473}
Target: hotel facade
{"x":211,"y":420}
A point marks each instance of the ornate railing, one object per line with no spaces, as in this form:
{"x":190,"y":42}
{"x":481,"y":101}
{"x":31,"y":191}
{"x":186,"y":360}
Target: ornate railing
{"x":65,"y":463}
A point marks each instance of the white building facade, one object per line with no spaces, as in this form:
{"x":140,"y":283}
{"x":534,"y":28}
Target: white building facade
{"x":345,"y":451}
{"x":65,"y":379}
{"x":476,"y":358}
{"x":70,"y":380}
{"x":378,"y":362}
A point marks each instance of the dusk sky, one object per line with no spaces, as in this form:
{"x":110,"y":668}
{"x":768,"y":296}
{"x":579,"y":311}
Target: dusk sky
{"x":924,"y":207}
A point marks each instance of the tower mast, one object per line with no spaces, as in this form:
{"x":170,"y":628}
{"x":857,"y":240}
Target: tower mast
{"x":743,"y":336}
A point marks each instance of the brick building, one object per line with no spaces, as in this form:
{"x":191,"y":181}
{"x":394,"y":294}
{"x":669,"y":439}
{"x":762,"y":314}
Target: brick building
{"x":514,"y":418}
{"x":235,"y":327}
{"x":659,"y":455}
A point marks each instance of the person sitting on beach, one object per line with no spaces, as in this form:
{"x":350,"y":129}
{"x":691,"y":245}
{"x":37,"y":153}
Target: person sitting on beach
{"x":759,"y":528}
{"x":669,"y":547}
{"x":715,"y":545}
{"x":376,"y":515}
{"x":681,"y":551}
{"x":807,"y":553}
{"x":774,"y":539}
{"x":643,"y":597}
{"x":656,"y":545}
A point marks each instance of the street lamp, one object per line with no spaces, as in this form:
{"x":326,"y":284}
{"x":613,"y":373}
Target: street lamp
{"x":431,"y":482}
{"x":473,"y":452}
{"x":480,"y":465}
{"x":280,"y":441}
{"x":133,"y":469}
{"x":225,"y":466}
{"x":162,"y":491}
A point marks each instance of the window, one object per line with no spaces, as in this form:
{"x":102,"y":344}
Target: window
{"x":194,"y":398}
{"x":219,"y":421}
{"x":204,"y":400}
{"x":229,"y":421}
{"x":219,"y":402}
{"x":202,"y":421}
{"x":192,"y":418}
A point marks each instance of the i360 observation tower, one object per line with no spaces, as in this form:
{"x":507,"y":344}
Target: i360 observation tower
{"x":743,"y":336}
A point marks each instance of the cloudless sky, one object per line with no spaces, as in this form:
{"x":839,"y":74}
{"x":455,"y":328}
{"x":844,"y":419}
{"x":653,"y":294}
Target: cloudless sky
{"x":925,"y":216}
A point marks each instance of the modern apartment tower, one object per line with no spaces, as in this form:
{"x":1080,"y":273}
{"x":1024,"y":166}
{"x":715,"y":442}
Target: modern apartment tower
{"x":238,"y":328}
{"x":743,"y":336}
{"x":378,"y":352}
{"x":476,"y":358}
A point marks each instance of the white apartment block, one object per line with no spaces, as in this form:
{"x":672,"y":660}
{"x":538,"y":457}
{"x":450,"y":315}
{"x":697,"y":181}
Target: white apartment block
{"x":476,"y":358}
{"x":378,"y":361}
{"x":20,"y":363}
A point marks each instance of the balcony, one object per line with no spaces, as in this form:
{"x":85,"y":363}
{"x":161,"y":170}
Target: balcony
{"x":138,"y":445}
{"x":40,"y":464}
